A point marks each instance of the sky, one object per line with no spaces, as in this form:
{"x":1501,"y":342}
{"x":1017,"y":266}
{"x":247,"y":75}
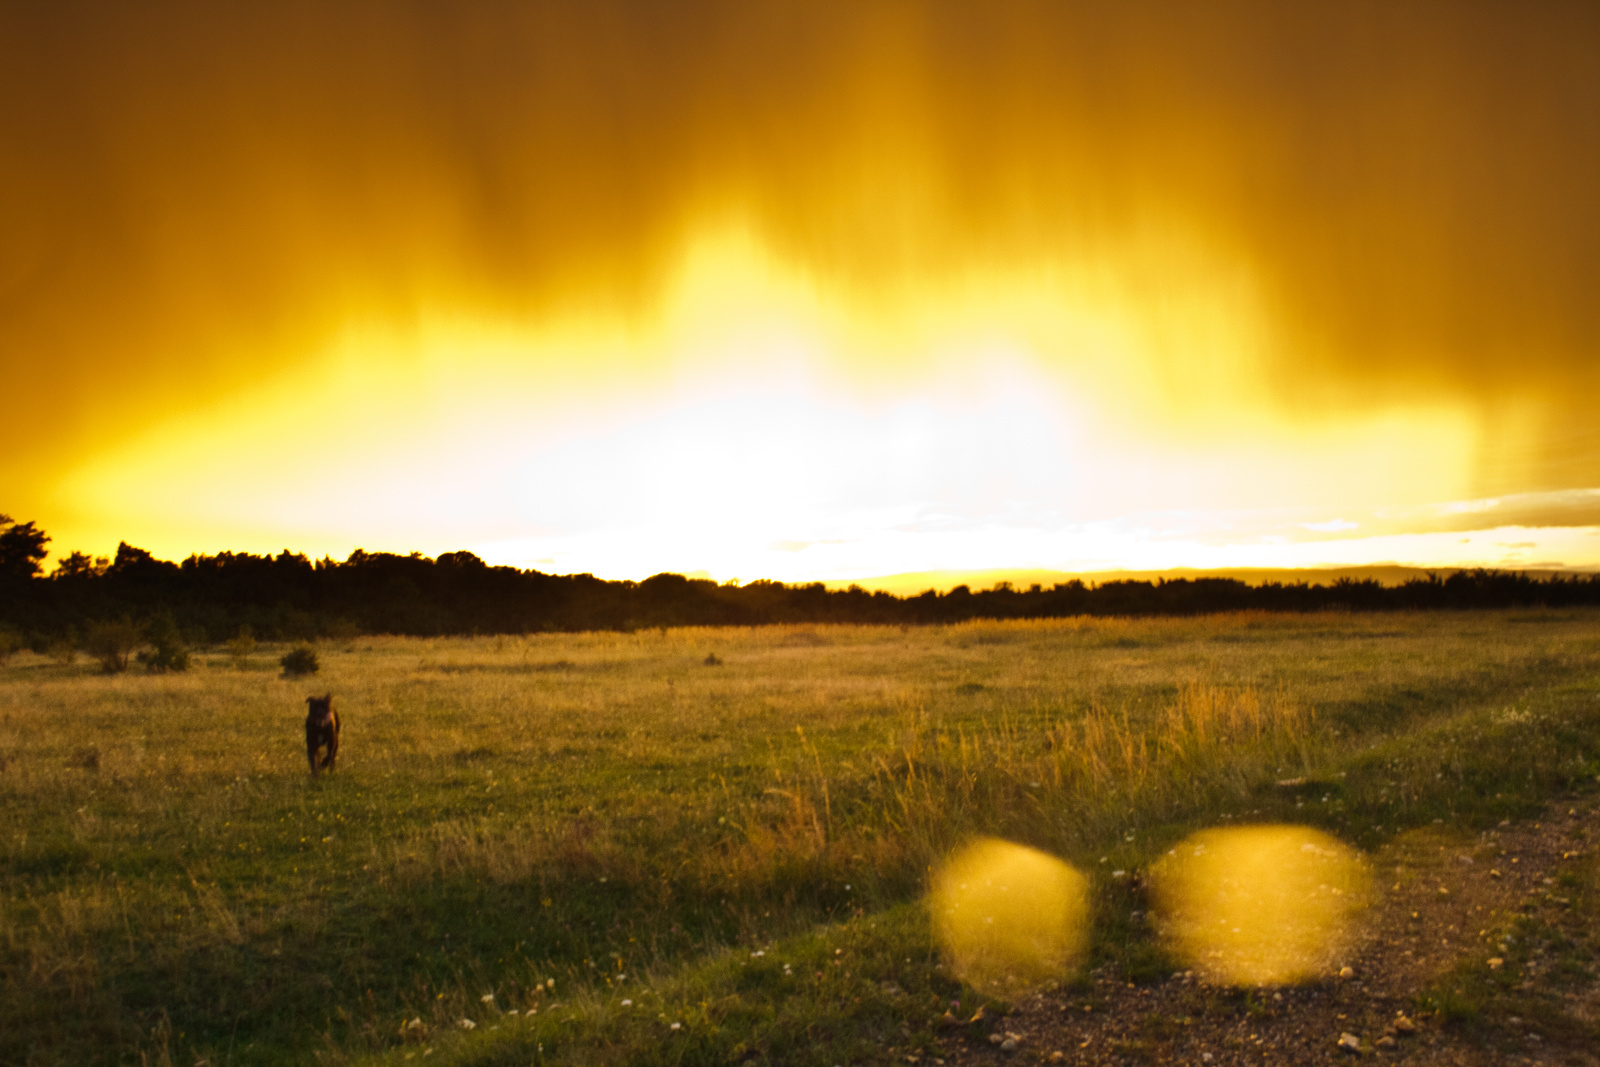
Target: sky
{"x":806,"y":291}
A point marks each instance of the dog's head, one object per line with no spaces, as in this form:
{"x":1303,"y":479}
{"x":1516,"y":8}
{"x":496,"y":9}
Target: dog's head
{"x":319,"y":709}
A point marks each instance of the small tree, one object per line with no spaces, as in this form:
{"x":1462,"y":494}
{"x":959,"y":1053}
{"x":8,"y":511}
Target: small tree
{"x":112,"y":643}
{"x":301,"y":661}
{"x":79,"y":565}
{"x":21,"y":548}
{"x":169,"y":653}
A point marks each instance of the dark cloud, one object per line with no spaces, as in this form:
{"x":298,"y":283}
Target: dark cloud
{"x":195,"y":196}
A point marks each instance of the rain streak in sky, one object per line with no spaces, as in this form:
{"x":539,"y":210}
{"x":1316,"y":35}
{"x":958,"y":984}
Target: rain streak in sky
{"x":806,"y":291}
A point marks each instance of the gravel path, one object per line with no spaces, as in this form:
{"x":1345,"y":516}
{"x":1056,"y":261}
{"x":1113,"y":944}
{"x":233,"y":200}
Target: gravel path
{"x":1442,"y":910}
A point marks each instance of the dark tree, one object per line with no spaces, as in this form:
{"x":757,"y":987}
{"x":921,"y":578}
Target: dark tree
{"x":80,"y":565}
{"x":21,"y":548}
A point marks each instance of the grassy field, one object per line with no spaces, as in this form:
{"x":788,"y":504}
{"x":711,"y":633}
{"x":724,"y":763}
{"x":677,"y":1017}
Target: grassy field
{"x":555,"y":847}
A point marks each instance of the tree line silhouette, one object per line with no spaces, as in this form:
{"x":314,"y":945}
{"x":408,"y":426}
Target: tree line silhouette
{"x":289,"y":597}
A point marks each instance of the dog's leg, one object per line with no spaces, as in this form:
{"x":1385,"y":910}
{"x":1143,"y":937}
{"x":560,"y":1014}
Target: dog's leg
{"x":311,"y":748}
{"x":333,"y":740}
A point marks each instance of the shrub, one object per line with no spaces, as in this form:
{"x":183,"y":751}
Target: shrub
{"x":10,"y":641}
{"x":169,"y":653}
{"x":300,"y":661}
{"x":64,"y":649}
{"x":111,"y":643}
{"x":240,"y":647}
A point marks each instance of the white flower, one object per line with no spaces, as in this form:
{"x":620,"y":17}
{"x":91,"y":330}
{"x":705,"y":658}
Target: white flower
{"x":467,"y":1024}
{"x":487,"y":998}
{"x":677,"y":1026}
{"x":627,"y":1003}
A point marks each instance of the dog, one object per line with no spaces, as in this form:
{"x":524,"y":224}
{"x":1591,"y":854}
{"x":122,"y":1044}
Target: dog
{"x":322,"y":731}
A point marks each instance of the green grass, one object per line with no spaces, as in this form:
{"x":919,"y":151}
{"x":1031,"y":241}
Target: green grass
{"x":509,"y":811}
{"x":1549,"y":952}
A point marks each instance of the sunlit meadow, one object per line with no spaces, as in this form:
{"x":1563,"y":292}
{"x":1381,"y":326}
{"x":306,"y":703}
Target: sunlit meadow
{"x":555,"y":847}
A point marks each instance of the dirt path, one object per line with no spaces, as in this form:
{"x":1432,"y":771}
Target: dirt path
{"x":1443,"y":909}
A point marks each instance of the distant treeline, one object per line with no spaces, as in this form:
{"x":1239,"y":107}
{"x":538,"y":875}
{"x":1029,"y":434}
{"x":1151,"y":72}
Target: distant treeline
{"x":289,"y":597}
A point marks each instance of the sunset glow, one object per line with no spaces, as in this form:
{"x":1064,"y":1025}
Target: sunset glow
{"x":849,"y":295}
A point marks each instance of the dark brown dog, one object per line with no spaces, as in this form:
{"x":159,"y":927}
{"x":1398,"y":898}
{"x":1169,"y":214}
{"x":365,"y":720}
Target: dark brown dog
{"x":322,"y":731}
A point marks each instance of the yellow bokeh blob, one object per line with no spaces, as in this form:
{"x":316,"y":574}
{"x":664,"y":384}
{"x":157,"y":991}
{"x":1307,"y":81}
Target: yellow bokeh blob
{"x":1008,"y":917}
{"x":1259,"y":905}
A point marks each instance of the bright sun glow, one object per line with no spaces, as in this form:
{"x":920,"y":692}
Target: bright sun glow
{"x":840,"y":293}
{"x":760,"y":424}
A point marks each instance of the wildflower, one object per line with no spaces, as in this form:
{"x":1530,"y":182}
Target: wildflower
{"x":487,"y":998}
{"x":466,"y":1024}
{"x":677,"y":1026}
{"x":627,"y":1003}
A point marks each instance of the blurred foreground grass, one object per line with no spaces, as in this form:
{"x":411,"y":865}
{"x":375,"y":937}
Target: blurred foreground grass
{"x":607,"y":835}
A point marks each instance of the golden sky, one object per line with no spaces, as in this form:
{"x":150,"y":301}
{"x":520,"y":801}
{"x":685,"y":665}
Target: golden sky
{"x":806,"y":291}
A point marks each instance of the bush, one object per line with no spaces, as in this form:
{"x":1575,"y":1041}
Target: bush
{"x":169,"y":653}
{"x":301,"y":661}
{"x":10,"y":641}
{"x":239,"y":649}
{"x":64,"y":649}
{"x":112,"y":643}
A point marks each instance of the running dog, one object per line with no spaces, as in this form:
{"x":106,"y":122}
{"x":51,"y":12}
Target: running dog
{"x":322,"y":731}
